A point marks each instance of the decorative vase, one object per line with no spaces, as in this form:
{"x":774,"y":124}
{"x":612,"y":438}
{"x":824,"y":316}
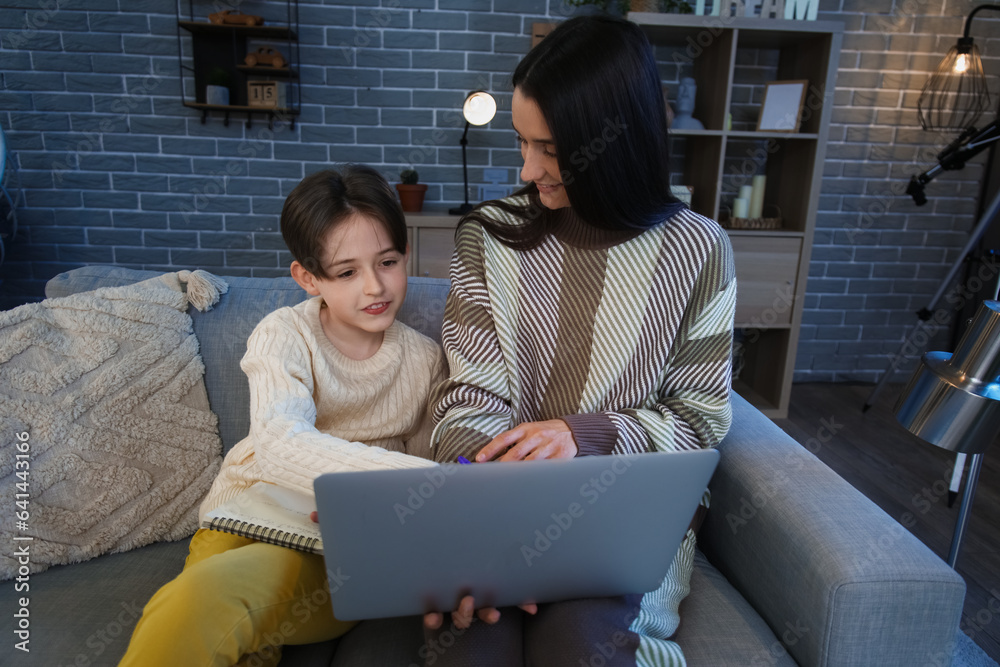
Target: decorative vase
{"x":685,"y":107}
{"x":411,"y":197}
{"x":217,"y":95}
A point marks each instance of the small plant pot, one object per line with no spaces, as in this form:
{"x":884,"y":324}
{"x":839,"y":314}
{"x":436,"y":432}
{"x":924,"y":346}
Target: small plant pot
{"x":217,"y":95}
{"x":411,"y":197}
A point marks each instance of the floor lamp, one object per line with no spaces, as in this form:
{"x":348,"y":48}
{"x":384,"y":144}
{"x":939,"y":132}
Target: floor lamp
{"x":954,"y":98}
{"x":479,"y":109}
{"x":953,"y":401}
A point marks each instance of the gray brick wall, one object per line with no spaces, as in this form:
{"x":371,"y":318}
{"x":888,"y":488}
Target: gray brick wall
{"x":116,"y":170}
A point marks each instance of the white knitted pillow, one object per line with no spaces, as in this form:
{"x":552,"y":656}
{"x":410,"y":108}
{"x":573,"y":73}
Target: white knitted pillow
{"x":102,"y":394}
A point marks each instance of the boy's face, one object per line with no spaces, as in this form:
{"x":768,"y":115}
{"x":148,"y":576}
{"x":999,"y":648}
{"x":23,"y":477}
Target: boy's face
{"x":367,"y":283}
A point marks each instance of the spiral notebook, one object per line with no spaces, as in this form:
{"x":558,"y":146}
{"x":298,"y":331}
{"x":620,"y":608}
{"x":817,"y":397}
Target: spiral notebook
{"x":269,"y":513}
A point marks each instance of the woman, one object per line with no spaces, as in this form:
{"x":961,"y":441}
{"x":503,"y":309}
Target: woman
{"x":590,"y":313}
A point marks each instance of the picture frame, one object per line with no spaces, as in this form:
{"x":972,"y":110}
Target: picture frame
{"x":781,"y":110}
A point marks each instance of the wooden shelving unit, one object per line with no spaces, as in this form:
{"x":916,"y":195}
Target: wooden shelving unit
{"x":725,"y":55}
{"x":203,"y":46}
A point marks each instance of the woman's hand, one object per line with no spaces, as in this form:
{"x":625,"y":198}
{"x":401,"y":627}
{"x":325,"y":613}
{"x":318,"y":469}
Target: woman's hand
{"x":529,"y":441}
{"x":461,"y":618}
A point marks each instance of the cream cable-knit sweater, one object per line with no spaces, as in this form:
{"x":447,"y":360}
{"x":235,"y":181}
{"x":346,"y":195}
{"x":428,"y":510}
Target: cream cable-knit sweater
{"x":314,"y":410}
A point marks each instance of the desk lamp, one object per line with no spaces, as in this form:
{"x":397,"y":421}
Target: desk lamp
{"x":479,"y":109}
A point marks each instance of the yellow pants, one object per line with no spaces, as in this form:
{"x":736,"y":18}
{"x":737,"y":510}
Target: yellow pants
{"x":235,"y":599}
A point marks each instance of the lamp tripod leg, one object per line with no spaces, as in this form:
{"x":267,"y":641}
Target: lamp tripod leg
{"x":956,"y":479}
{"x":966,"y":508}
{"x":925,"y":314}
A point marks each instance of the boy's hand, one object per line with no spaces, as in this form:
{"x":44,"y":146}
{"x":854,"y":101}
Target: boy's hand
{"x":461,"y":618}
{"x":530,"y":441}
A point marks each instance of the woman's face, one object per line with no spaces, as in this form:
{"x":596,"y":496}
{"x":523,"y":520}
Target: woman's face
{"x":538,"y":151}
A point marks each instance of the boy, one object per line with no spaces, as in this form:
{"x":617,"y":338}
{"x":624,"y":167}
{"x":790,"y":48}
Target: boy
{"x":336,"y":384}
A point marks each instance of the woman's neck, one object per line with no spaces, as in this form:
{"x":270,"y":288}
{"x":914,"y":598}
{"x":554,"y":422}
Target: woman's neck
{"x":566,"y":226}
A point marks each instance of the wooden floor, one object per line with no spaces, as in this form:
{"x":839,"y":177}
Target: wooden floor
{"x":901,"y":473}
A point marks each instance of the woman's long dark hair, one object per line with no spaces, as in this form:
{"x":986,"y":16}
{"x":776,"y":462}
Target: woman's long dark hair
{"x":595,"y":80}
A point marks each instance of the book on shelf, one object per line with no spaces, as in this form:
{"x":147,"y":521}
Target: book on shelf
{"x":269,"y":513}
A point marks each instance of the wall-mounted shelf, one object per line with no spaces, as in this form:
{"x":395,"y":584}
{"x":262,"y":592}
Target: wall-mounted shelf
{"x":204,"y":47}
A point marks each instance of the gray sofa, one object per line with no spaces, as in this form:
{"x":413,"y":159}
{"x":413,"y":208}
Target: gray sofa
{"x":794,"y":565}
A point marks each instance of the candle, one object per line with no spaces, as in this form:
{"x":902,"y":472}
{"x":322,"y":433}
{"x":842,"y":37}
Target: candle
{"x":746,"y":192}
{"x":757,"y":198}
{"x":740,"y":207}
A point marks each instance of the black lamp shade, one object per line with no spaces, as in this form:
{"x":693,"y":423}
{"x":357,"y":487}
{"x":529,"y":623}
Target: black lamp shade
{"x":956,"y":94}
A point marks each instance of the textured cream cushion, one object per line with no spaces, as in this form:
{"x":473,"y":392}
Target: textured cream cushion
{"x":108,"y":386}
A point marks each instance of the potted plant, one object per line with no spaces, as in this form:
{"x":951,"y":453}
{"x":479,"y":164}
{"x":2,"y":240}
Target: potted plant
{"x":411,"y":193}
{"x":217,"y":85}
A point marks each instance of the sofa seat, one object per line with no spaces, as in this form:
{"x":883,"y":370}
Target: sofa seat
{"x":84,"y":614}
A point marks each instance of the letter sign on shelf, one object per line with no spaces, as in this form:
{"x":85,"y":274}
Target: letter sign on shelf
{"x":764,"y":9}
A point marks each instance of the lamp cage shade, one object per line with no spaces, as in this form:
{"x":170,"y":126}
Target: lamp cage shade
{"x":956,"y":94}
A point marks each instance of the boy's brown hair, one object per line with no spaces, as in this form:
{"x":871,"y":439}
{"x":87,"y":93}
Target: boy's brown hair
{"x":327,"y":198}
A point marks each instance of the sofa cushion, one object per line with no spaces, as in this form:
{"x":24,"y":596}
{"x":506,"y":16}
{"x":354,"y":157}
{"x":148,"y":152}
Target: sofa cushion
{"x":106,"y":388}
{"x":719,"y":627}
{"x":223,"y":331}
{"x":84,"y":614}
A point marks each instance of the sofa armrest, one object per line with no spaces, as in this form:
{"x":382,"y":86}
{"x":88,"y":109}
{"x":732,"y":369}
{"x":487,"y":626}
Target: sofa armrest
{"x":835,"y":577}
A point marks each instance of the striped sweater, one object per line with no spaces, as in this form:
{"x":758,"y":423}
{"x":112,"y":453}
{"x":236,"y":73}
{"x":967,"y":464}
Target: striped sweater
{"x":626,"y":339}
{"x":629,"y":343}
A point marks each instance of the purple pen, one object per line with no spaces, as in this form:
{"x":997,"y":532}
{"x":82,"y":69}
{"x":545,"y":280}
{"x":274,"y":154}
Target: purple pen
{"x":464,"y":461}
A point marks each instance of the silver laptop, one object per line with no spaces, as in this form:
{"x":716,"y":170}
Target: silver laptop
{"x":404,"y":542}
